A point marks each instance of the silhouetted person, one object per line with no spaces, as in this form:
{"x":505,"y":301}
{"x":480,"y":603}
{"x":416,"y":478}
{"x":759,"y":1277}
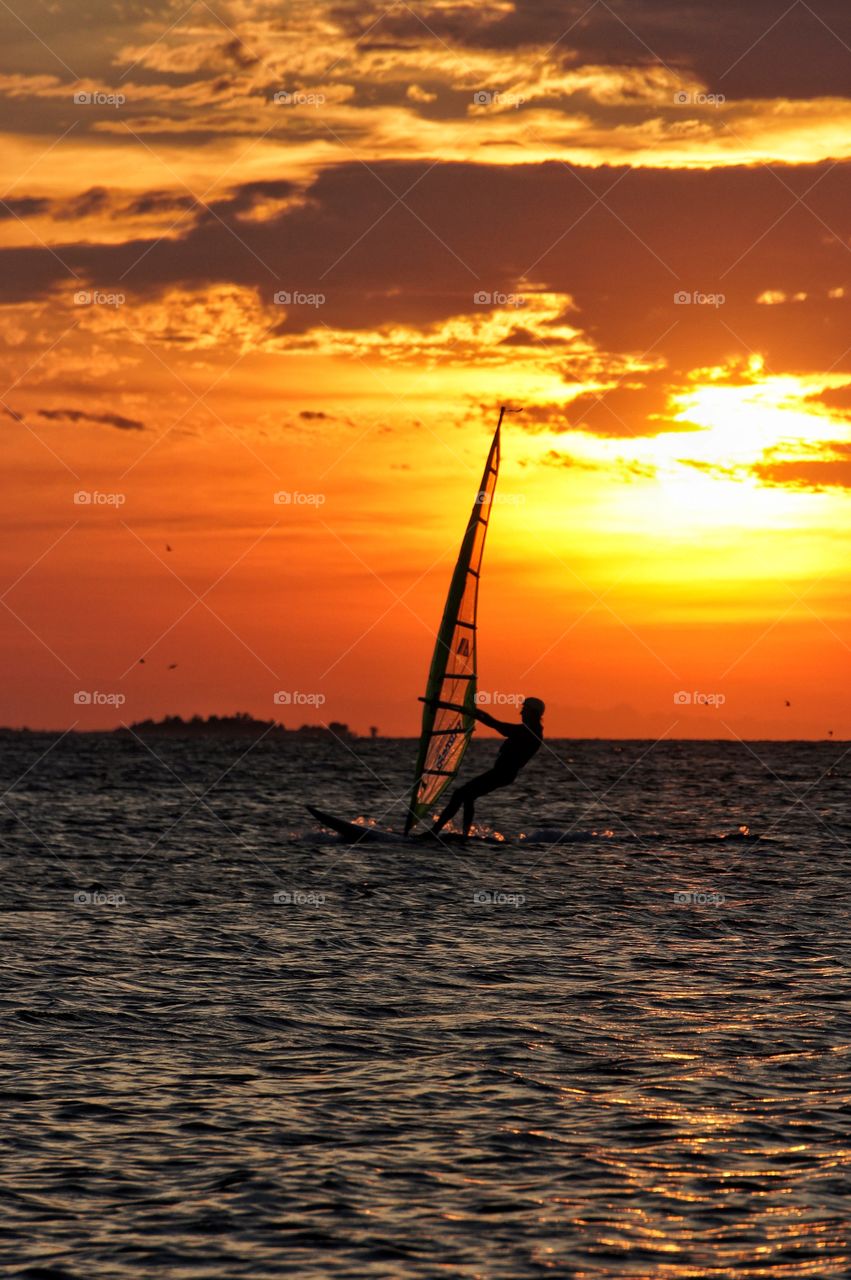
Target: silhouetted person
{"x":521,"y":742}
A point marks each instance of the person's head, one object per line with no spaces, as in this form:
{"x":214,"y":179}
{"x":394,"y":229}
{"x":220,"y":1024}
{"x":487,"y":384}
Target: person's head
{"x":532,"y":711}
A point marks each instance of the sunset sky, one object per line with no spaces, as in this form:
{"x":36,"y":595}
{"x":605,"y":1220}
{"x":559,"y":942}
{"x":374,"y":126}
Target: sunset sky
{"x":252,"y":249}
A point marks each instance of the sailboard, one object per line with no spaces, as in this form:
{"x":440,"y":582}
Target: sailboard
{"x":359,"y":833}
{"x":452,"y":676}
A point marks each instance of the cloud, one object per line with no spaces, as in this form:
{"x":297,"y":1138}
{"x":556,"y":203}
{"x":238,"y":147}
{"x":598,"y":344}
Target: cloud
{"x":758,"y":49}
{"x":831,"y":470}
{"x":825,"y":467}
{"x":622,"y":467}
{"x":83,"y":415}
{"x":597,"y":256}
{"x":838,"y":398}
{"x":634,"y":409}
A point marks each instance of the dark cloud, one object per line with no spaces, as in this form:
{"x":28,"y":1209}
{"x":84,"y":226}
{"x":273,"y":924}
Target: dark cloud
{"x":765,"y":48}
{"x":711,"y":468}
{"x":637,"y":406}
{"x":835,"y":398}
{"x":314,"y":415}
{"x":239,"y":54}
{"x":249,"y":194}
{"x":816,"y":474}
{"x":81,"y":415}
{"x":154,"y":202}
{"x":23,"y":208}
{"x":520,"y":338}
{"x":829,"y":468}
{"x":621,"y":243}
{"x":96,"y":200}
{"x":618,"y":466}
{"x":626,"y":410}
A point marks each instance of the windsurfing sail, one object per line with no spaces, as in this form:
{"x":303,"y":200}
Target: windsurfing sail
{"x":452,"y":675}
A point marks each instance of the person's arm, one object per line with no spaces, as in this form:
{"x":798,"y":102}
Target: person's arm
{"x":502,"y":726}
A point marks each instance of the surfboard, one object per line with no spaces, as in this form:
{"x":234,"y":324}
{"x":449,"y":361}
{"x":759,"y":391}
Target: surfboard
{"x":351,"y":831}
{"x":355,"y":833}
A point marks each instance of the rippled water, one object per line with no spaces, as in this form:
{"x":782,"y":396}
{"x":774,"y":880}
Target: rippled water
{"x":391,"y":1074}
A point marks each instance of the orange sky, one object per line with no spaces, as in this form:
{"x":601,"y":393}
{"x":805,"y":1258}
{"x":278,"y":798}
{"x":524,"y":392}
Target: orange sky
{"x":311,"y":253}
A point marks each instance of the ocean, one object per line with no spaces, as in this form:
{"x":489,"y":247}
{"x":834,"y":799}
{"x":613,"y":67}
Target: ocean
{"x":237,"y":1048}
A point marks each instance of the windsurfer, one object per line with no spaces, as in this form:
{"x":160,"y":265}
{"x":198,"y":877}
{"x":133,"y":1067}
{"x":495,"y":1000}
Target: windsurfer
{"x":522,"y":741}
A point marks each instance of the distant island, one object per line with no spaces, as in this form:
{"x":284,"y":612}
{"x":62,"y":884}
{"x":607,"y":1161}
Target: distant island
{"x":241,"y":725}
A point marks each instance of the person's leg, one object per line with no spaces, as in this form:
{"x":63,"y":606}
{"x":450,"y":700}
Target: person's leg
{"x":467,"y":796}
{"x":469,"y":808}
{"x":455,"y":801}
{"x":481,"y":786}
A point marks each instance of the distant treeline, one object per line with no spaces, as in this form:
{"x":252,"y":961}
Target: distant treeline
{"x":240,"y":725}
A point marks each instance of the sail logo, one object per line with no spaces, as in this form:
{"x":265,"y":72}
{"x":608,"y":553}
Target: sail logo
{"x":443,"y":755}
{"x":463,"y":647}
